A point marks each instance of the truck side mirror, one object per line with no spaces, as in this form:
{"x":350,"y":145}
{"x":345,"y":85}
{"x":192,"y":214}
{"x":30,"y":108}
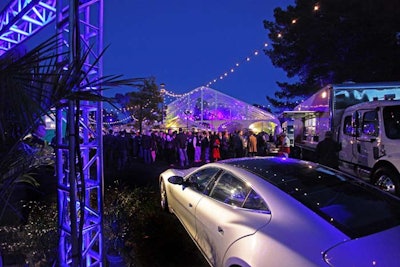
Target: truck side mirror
{"x":355,"y":123}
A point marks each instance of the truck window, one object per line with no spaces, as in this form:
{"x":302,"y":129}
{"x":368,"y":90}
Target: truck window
{"x":370,"y":124}
{"x":347,"y":128}
{"x":309,"y":129}
{"x":391,"y":118}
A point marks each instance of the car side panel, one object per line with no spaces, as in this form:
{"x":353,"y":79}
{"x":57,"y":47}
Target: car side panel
{"x":183,"y":201}
{"x":219,"y":225}
{"x":274,"y":253}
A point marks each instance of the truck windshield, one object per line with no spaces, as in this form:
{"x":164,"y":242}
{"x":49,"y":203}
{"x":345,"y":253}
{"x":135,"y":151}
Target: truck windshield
{"x":391,"y":116}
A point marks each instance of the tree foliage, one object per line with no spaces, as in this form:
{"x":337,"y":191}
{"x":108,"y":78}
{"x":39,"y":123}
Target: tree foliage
{"x":143,"y":105}
{"x":334,"y":41}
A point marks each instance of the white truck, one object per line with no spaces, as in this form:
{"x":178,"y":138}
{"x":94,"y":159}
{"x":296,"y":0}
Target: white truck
{"x":364,"y":119}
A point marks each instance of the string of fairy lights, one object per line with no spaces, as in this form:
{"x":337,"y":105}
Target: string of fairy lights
{"x":222,"y":76}
{"x":170,"y":94}
{"x":167,"y":94}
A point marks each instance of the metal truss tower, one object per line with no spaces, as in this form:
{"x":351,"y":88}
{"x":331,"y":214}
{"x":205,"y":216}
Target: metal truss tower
{"x":20,"y":20}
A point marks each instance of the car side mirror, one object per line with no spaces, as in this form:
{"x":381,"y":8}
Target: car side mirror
{"x":176,"y":180}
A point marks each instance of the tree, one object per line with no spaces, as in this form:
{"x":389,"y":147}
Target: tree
{"x":144,"y":105}
{"x":334,"y":41}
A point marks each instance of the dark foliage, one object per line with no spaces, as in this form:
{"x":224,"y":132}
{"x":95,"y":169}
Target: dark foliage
{"x":333,"y":41}
{"x":144,"y":105}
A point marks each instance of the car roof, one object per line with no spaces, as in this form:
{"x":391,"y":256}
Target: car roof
{"x":351,"y":205}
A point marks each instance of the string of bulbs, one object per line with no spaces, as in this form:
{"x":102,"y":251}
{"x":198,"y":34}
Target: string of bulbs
{"x":222,"y":76}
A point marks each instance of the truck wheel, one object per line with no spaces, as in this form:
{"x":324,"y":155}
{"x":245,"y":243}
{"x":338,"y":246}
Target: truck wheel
{"x":387,"y":179}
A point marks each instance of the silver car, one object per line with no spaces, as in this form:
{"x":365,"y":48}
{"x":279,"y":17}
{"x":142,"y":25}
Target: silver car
{"x":268,"y":211}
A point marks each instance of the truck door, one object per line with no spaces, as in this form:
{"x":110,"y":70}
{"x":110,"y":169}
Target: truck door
{"x":360,"y":131}
{"x":347,"y":139}
{"x":366,"y":138}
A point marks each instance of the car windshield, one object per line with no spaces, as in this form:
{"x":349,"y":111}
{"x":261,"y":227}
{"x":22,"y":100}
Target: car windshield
{"x":349,"y":204}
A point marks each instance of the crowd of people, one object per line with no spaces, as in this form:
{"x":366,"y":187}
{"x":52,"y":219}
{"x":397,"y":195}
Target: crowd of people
{"x":181,"y":148}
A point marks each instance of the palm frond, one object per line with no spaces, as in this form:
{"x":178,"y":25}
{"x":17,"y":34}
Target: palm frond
{"x":34,"y":83}
{"x":31,"y":85}
{"x":27,"y":178}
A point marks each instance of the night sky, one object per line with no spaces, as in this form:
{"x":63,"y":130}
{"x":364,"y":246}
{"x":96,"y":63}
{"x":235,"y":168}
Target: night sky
{"x":187,"y":44}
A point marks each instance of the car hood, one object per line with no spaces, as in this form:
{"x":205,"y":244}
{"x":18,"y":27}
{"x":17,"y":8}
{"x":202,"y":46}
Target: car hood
{"x":380,"y":249}
{"x":182,"y":172}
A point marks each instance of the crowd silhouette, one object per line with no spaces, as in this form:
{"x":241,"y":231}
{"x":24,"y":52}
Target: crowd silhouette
{"x":180,"y":148}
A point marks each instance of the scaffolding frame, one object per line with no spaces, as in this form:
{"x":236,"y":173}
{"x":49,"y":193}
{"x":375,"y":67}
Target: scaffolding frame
{"x":80,"y":192}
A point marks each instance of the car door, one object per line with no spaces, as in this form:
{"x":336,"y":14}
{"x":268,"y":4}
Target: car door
{"x":188,"y":195}
{"x":232,"y":210}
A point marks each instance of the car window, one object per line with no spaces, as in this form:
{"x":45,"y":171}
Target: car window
{"x":199,"y":180}
{"x":231,"y":190}
{"x":255,"y":202}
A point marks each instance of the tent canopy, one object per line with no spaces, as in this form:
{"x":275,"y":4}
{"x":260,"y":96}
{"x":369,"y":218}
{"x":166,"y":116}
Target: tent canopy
{"x":204,"y":107}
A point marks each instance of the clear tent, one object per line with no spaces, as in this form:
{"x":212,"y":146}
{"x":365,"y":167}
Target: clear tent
{"x":206,"y":108}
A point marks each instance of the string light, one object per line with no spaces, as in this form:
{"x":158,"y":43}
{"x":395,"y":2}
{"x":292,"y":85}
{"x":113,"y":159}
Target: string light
{"x":167,"y":93}
{"x":232,"y":70}
{"x":170,"y":94}
{"x":316,"y":8}
{"x":119,"y":121}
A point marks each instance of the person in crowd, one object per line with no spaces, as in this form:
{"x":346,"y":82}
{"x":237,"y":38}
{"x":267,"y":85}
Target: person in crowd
{"x":175,"y":148}
{"x":37,"y":136}
{"x":197,"y":146}
{"x":181,"y":142}
{"x":225,"y":144}
{"x":36,"y":148}
{"x":146,"y":145}
{"x":237,"y":145}
{"x":245,"y":143}
{"x":153,"y":146}
{"x":160,"y":145}
{"x":271,"y":138}
{"x":205,"y":146}
{"x":327,"y":151}
{"x":252,"y":144}
{"x":283,"y":145}
{"x":109,"y":143}
{"x":169,"y":148}
{"x":261,"y":143}
{"x":137,"y":145}
{"x":215,"y":148}
{"x":190,"y":147}
{"x":122,"y":150}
